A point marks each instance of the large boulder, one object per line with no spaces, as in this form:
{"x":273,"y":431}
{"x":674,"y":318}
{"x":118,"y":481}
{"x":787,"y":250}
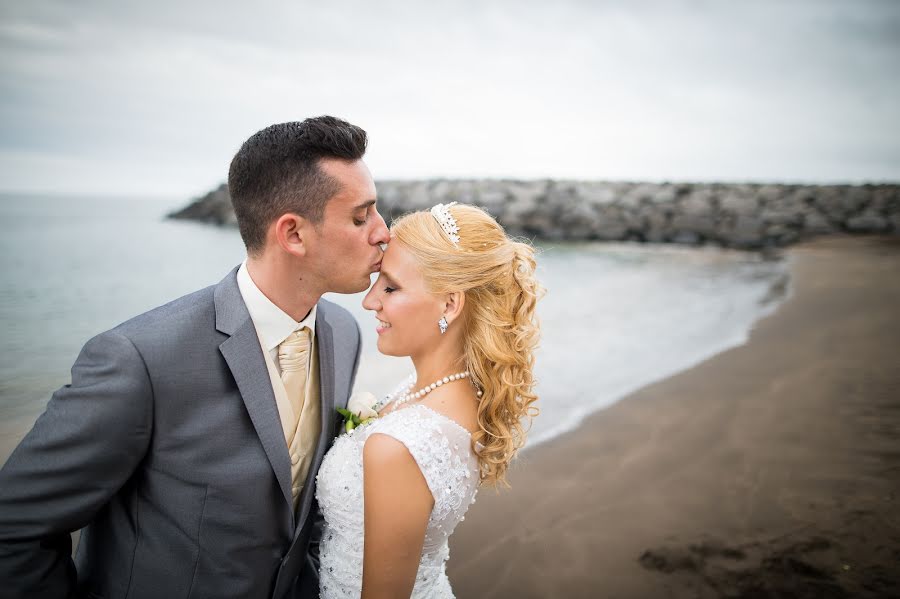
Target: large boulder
{"x":868,"y":222}
{"x":213,"y":208}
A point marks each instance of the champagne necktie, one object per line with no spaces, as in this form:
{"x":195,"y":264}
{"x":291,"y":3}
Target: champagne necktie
{"x":293,"y":357}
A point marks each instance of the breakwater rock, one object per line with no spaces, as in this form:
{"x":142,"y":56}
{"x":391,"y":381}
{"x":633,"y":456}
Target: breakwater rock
{"x":746,"y":216}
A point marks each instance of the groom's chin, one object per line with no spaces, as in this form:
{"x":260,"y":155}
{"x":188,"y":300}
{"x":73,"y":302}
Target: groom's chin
{"x":351,"y":288}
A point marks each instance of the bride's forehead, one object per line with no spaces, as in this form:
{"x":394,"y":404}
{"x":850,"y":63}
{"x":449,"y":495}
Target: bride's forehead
{"x":400,"y":262}
{"x":397,"y":255}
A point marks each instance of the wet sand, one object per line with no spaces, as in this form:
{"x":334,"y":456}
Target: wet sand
{"x":770,"y":470}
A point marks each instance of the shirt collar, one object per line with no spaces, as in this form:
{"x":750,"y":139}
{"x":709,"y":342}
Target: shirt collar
{"x":273,"y":325}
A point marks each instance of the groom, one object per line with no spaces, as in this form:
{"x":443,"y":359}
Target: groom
{"x":188,"y":442}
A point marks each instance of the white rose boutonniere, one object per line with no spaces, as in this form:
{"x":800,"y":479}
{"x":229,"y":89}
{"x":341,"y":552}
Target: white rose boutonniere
{"x":360,"y":410}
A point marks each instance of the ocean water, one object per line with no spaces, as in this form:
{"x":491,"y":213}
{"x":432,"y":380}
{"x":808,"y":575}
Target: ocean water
{"x":616,"y":316}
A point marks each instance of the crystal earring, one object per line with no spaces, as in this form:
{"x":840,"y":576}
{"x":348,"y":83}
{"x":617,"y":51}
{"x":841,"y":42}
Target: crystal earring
{"x":443,"y":324}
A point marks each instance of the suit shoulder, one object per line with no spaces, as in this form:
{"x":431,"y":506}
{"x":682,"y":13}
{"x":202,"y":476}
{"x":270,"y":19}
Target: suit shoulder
{"x":195,"y":307}
{"x":340,"y":318}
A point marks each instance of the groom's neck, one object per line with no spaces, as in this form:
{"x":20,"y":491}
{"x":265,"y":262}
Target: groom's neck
{"x":285,"y":287}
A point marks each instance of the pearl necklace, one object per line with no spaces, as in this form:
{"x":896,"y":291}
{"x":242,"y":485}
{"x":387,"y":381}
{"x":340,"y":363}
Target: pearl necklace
{"x":429,"y":388}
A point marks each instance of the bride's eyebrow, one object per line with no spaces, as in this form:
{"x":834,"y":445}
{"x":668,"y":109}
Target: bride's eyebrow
{"x":389,"y":278}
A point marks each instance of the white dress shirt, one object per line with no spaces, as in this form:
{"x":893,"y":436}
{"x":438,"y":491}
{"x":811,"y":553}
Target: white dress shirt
{"x":273,"y":325}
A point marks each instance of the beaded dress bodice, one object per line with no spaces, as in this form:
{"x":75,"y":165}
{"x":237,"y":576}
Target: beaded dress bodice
{"x":442,"y":450}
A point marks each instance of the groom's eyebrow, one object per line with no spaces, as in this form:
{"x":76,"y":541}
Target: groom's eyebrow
{"x":365,"y":204}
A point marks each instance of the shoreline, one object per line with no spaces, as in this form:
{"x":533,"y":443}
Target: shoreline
{"x":770,"y":469}
{"x":585,"y":413}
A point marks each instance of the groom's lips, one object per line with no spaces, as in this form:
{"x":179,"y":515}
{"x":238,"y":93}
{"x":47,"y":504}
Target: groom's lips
{"x":377,"y":266}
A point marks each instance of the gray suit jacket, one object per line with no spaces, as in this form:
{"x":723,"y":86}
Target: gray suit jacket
{"x":168,"y":449}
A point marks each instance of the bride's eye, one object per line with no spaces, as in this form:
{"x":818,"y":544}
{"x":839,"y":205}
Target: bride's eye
{"x":389,"y":289}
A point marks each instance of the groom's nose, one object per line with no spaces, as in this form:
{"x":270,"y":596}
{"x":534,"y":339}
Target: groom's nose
{"x":380,"y":233}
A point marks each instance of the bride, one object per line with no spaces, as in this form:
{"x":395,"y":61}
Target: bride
{"x":457,"y":296}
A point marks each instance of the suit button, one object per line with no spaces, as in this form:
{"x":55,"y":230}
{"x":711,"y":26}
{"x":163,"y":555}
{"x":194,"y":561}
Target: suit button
{"x":295,"y":458}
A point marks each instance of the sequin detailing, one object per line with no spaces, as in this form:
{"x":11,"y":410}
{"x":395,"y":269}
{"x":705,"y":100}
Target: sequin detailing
{"x":441,"y":448}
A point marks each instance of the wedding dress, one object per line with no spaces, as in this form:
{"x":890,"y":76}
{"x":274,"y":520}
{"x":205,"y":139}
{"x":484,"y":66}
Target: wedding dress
{"x":442,"y":449}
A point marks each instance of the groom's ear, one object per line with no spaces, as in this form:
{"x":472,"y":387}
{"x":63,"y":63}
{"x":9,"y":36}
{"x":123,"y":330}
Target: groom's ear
{"x":291,"y":232}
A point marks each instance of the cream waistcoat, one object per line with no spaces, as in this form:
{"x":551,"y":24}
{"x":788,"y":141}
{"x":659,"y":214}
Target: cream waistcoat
{"x":301,"y":432}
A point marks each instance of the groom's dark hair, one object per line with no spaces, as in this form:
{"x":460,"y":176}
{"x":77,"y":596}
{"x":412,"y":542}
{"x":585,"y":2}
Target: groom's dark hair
{"x":277,"y":171}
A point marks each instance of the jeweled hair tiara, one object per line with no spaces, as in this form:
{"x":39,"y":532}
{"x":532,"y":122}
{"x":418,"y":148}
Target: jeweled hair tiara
{"x":441,"y":214}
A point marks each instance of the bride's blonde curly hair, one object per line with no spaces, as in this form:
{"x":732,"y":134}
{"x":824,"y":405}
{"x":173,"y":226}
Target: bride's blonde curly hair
{"x":496,"y":274}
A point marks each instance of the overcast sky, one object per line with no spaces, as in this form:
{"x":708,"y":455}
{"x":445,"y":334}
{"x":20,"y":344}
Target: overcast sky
{"x":154,"y":98}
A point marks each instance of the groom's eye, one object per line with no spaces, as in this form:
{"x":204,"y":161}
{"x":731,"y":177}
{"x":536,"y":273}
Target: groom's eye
{"x":365,"y":217}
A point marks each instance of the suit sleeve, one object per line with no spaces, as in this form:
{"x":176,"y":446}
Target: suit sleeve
{"x":81,"y":450}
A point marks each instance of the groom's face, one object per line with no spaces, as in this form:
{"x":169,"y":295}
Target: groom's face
{"x":346,"y":245}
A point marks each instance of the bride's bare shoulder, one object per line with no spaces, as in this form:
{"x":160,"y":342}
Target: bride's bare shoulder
{"x":459,"y":405}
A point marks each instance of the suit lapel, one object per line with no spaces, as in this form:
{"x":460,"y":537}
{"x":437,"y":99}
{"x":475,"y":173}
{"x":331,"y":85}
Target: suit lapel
{"x":325,"y":349}
{"x":244,"y":356}
{"x":325,"y":336}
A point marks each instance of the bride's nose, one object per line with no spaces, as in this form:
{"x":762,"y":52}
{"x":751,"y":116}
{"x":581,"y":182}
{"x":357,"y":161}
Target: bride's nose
{"x":370,"y":302}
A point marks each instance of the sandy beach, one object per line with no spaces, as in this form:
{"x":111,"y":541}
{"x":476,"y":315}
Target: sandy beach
{"x":770,"y":470}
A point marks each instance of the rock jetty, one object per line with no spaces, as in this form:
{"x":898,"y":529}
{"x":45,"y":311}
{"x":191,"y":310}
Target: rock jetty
{"x":744,"y":216}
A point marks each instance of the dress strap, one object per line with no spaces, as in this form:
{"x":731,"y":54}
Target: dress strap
{"x":399,"y":391}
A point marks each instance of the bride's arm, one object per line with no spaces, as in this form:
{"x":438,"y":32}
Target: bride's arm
{"x":397,"y":504}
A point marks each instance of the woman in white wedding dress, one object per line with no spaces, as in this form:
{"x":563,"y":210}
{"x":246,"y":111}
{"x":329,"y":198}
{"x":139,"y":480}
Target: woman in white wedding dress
{"x":457,"y":296}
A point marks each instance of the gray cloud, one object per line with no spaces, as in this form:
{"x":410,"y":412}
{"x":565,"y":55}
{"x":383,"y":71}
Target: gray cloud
{"x":155,"y":98}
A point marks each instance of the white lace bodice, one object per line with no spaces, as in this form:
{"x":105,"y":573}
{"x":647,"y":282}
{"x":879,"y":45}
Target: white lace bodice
{"x":442,"y":450}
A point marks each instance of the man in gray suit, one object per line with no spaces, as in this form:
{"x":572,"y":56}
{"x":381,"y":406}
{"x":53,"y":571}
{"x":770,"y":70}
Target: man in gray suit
{"x":187,"y":444}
